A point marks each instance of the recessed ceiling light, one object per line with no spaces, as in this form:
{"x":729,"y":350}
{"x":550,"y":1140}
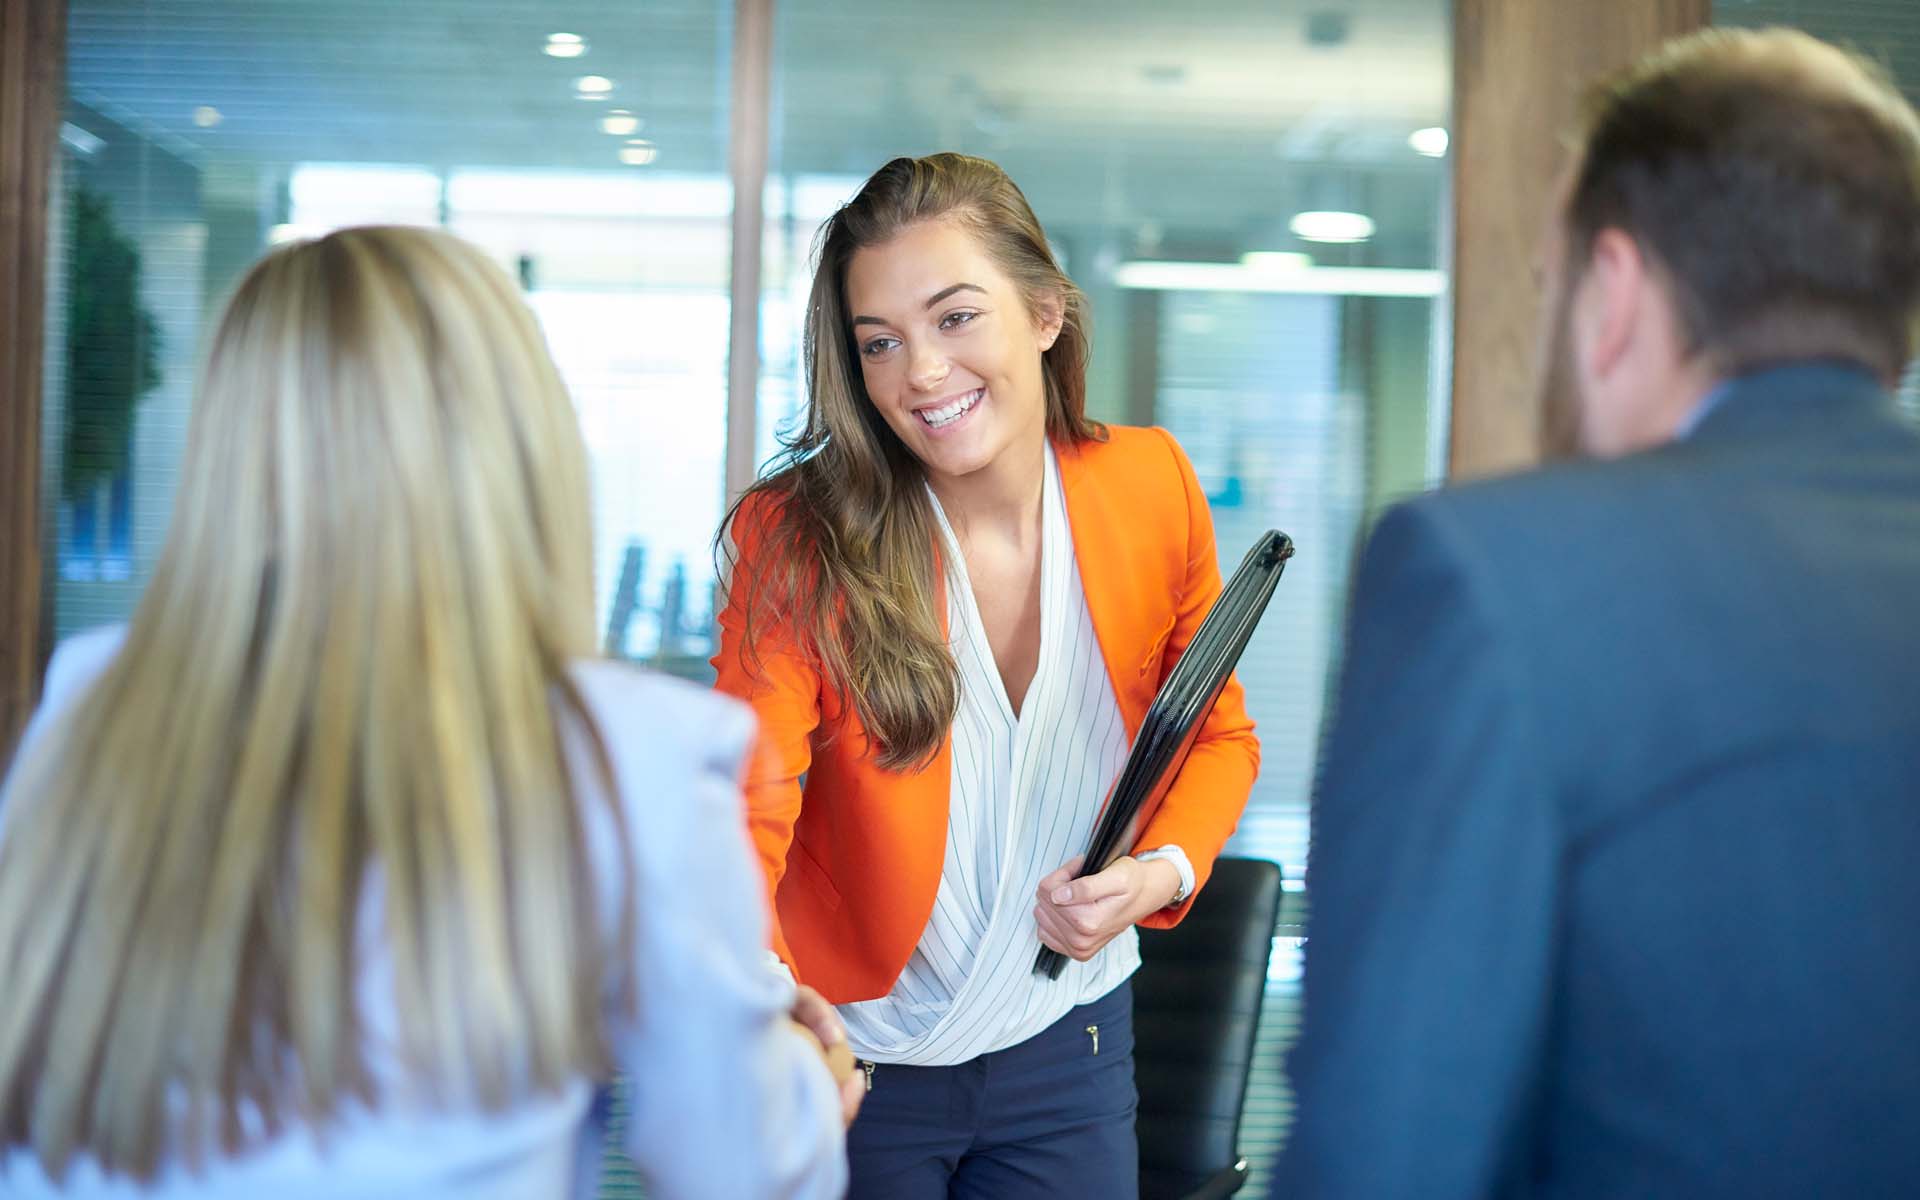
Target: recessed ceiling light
{"x":639,"y":152}
{"x":592,"y":87}
{"x":566,"y":45}
{"x":206,"y":116}
{"x":1331,"y":226}
{"x":619,"y":122}
{"x":1431,"y":142}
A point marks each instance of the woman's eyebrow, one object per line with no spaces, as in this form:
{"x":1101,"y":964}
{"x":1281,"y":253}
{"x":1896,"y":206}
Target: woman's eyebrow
{"x":943,"y":293}
{"x":932,"y":300}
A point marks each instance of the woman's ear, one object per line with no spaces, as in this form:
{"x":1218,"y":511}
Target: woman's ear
{"x":1048,"y":317}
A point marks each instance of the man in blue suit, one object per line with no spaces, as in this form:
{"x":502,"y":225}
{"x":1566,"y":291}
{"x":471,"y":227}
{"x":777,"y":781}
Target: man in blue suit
{"x":1615,"y":884}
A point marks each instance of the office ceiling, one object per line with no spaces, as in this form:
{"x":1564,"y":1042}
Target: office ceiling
{"x":1170,"y":119}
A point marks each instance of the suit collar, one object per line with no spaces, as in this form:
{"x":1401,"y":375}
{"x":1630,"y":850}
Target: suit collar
{"x":1799,"y":395}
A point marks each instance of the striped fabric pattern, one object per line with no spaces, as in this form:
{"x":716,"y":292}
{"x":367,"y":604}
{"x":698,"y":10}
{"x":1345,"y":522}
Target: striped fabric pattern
{"x":1025,"y":793}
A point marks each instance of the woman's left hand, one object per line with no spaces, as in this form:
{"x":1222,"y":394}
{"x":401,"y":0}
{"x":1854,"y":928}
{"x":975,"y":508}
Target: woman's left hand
{"x":1078,"y":916}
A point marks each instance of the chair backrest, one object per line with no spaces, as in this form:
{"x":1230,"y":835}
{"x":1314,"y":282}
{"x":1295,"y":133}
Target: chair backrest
{"x":1196,"y":1003}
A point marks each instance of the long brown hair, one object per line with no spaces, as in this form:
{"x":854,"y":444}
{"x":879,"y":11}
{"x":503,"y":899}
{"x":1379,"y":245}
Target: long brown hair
{"x":844,"y":532}
{"x":351,"y":663}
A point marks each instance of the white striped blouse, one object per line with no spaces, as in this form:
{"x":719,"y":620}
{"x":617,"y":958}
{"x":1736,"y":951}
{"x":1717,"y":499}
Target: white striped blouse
{"x":1025,"y":793}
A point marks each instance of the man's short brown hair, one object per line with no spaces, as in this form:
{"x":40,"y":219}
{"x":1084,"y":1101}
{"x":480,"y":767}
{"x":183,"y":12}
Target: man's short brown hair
{"x":1775,"y":180}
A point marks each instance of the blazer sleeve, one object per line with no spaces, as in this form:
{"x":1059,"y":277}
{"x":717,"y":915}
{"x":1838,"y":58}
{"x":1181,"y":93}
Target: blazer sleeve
{"x":727,"y":1099}
{"x":1204,"y":805}
{"x":783,"y":688}
{"x":1435,"y":889}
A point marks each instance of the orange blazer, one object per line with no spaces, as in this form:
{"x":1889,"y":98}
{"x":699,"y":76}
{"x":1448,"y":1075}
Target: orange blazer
{"x":853,"y":857}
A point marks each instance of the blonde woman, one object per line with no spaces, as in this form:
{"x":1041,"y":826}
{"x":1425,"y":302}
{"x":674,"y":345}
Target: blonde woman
{"x":342,"y":871}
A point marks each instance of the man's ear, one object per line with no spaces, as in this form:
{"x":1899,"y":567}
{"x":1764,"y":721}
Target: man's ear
{"x":1049,"y":314}
{"x":1612,"y":301}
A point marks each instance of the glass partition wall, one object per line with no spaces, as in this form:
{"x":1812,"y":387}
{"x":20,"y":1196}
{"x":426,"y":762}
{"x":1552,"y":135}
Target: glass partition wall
{"x":1252,"y":195}
{"x":583,"y":147}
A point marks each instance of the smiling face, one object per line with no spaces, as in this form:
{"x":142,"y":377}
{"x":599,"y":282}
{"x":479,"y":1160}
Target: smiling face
{"x":948,"y":348}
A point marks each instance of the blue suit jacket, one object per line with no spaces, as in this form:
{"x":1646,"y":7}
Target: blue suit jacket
{"x":1614,"y":885}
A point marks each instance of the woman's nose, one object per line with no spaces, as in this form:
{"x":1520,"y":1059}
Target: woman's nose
{"x":928,"y":371}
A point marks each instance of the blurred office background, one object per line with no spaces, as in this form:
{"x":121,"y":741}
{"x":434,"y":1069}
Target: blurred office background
{"x":1253,"y":193}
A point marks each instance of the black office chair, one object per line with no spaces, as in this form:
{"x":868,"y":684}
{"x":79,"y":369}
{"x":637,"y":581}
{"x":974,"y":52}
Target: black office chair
{"x":1196,"y":1004}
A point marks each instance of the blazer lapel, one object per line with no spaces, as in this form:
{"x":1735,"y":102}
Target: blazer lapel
{"x":1109,"y":577}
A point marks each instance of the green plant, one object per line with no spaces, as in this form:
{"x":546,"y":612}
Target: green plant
{"x":113,"y":345}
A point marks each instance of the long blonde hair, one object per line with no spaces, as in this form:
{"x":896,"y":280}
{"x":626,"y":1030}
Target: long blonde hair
{"x":844,"y":531}
{"x":350,"y":664}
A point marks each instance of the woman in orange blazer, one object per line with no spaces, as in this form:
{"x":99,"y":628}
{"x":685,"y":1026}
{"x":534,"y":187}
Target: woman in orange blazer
{"x":951,"y":603}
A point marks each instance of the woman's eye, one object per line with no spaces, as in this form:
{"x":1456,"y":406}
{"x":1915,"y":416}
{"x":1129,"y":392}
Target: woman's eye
{"x":878,"y":346}
{"x":955,"y":320}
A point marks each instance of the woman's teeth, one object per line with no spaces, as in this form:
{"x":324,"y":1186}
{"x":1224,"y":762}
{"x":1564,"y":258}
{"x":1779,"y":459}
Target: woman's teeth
{"x":936,"y":417}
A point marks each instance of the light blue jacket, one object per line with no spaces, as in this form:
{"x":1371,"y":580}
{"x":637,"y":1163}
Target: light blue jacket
{"x":727,"y":1100}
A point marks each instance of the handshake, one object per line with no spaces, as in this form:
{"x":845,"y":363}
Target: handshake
{"x":814,"y":1019}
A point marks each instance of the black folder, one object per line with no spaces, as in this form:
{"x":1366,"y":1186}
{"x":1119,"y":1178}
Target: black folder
{"x":1173,"y":721}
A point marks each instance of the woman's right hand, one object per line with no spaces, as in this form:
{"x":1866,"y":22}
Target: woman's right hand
{"x":816,"y":1018}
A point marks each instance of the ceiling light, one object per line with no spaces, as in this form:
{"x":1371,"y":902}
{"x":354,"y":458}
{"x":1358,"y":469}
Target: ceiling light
{"x":1431,"y":142}
{"x":1309,"y":281}
{"x":206,"y":116}
{"x":592,"y":87}
{"x":639,"y":152}
{"x":619,"y":122}
{"x":566,"y":45}
{"x":1340,"y":227}
{"x":1276,"y":260}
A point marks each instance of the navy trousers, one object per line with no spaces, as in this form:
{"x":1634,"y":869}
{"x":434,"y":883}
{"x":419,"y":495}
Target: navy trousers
{"x":1051,"y":1117}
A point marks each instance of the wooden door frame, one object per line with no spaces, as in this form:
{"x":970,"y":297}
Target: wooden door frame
{"x":1518,"y":69}
{"x":32,"y":63}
